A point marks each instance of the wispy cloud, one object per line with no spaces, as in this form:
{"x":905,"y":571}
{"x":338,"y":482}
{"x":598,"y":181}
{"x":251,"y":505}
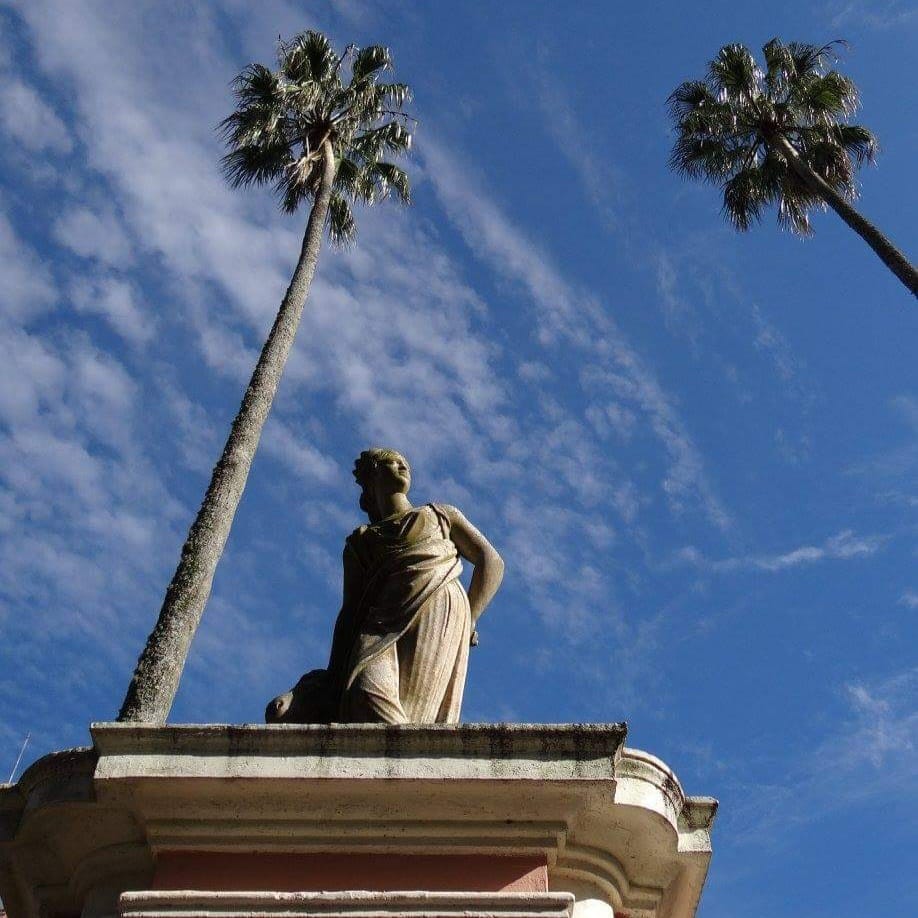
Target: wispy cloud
{"x":567,"y":314}
{"x":891,"y":472}
{"x":302,"y":458}
{"x":85,"y":511}
{"x":28,"y":287}
{"x":697,"y":285}
{"x":94,"y":233}
{"x":679,"y":314}
{"x":27,"y":117}
{"x":869,"y":755}
{"x":589,"y":426}
{"x":877,"y":738}
{"x":844,"y":545}
{"x":601,"y":178}
{"x":692,"y":278}
{"x":873,"y":14}
{"x":116,"y":301}
{"x":885,"y":720}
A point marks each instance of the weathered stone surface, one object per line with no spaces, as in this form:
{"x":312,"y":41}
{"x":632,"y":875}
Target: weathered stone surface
{"x":341,"y":751}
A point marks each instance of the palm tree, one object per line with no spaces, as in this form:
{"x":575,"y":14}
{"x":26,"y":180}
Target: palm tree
{"x":779,"y":136}
{"x":315,"y":129}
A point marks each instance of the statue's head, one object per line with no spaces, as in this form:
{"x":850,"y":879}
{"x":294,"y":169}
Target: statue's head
{"x":380,"y":470}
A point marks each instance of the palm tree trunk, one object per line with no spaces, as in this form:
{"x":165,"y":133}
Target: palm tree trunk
{"x":888,"y":253}
{"x":154,"y":684}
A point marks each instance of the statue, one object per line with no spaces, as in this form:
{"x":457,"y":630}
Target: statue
{"x":401,"y":641}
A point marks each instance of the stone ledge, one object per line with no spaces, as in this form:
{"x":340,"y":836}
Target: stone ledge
{"x":347,"y":751}
{"x":545,"y":741}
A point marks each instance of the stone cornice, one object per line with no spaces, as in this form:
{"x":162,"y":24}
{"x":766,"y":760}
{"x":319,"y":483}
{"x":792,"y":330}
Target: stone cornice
{"x":610,"y":822}
{"x":518,"y":751}
{"x":59,"y":776}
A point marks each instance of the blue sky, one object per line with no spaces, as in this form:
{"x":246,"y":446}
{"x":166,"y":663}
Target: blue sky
{"x":696,"y":450}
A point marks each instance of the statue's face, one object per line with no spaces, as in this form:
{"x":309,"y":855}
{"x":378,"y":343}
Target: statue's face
{"x":392,"y":476}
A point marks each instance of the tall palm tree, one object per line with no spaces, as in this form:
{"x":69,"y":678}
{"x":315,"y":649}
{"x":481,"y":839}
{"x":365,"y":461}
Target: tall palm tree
{"x":779,"y":136}
{"x":315,"y":129}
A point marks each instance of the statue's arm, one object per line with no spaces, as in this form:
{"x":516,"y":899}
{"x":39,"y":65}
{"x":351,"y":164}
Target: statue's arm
{"x":488,"y":564}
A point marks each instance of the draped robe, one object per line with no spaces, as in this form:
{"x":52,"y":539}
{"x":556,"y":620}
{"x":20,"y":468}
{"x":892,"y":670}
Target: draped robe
{"x":400,"y":648}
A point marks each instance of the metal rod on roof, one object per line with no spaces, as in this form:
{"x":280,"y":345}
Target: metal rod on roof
{"x":19,"y":757}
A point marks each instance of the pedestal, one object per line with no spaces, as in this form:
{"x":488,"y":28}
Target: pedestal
{"x":356,"y":821}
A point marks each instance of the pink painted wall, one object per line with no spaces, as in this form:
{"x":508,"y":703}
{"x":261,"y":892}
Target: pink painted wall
{"x":206,"y":870}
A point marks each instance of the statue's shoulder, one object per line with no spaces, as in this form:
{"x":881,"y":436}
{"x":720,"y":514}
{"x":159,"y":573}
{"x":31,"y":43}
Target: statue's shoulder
{"x":446,"y":514}
{"x":355,"y":539}
{"x":355,"y":547}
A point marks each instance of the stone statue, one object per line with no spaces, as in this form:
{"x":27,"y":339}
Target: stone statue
{"x":401,"y":642}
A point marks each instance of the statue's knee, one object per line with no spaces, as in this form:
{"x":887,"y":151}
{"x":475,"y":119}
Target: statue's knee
{"x":278,"y":707}
{"x":311,"y":701}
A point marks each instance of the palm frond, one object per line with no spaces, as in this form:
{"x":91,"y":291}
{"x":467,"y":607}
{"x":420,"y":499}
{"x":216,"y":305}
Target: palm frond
{"x":389,"y":179}
{"x":745,"y":196}
{"x":309,"y":56}
{"x":823,"y":99}
{"x":780,"y":66}
{"x":795,"y":203}
{"x":394,"y":95}
{"x":347,"y":177}
{"x":391,"y":137}
{"x":291,"y":193}
{"x":369,"y":61}
{"x":734,"y":74}
{"x":254,"y":165}
{"x":812,"y":58}
{"x":255,"y":85}
{"x":707,"y":158}
{"x":254,"y":125}
{"x":340,"y":221}
{"x":688,"y":97}
{"x":830,"y":161}
{"x":858,"y":142}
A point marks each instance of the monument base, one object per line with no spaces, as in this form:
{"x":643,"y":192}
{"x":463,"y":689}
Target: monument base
{"x":356,"y":821}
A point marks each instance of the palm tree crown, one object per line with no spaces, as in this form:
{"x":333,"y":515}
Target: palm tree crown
{"x":734,"y":127}
{"x":285,"y":118}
